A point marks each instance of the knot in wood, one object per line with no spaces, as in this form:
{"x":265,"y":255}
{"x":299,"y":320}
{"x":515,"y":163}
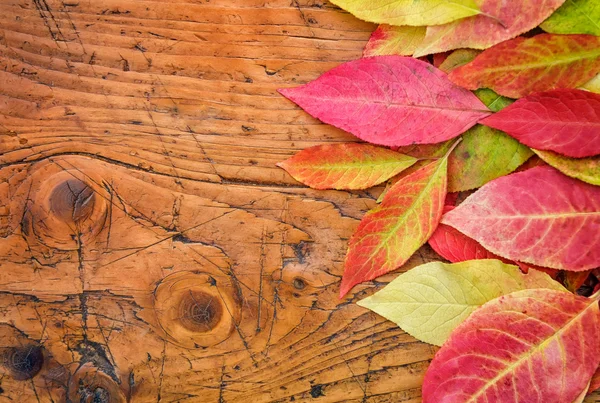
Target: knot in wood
{"x":91,"y":385}
{"x":199,"y":311}
{"x":66,"y":207}
{"x":195,"y":310}
{"x":23,"y":362}
{"x":72,"y":200}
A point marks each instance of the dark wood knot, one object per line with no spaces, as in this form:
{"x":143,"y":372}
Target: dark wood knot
{"x":23,"y":362}
{"x":90,"y":385}
{"x":194,"y":309}
{"x":199,"y":311}
{"x":72,"y":200}
{"x":299,"y":283}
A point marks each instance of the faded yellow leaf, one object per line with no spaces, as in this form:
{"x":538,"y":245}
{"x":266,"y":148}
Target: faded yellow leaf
{"x":429,"y":301}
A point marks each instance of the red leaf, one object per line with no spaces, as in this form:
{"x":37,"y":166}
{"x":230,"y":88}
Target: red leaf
{"x":389,"y":234}
{"x":538,"y":216}
{"x":451,"y":199}
{"x":439,"y":58}
{"x":518,"y":67}
{"x":390,"y":100}
{"x":595,"y":382}
{"x":454,"y":246}
{"x":564,"y":121}
{"x":574,"y":280}
{"x":529,"y":346}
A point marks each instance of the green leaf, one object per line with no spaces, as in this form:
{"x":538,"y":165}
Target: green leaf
{"x":483,"y":155}
{"x":429,"y":301}
{"x":575,"y":17}
{"x":409,"y":12}
{"x":584,"y":169}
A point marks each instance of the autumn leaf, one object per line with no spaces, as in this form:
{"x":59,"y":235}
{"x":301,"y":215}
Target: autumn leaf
{"x":458,"y":58}
{"x":390,"y":100}
{"x":584,"y":393}
{"x":575,"y":17}
{"x":455,"y":246}
{"x":389,"y":234}
{"x":345,"y":166}
{"x":532,"y":162}
{"x":538,"y":216}
{"x":394,"y":40}
{"x":585,"y":169}
{"x":595,"y":381}
{"x":592,"y":85}
{"x":483,"y":155}
{"x":564,"y":121}
{"x":573,"y":280}
{"x":521,"y":66}
{"x":430,"y":300}
{"x":503,"y":20}
{"x":529,"y":346}
{"x":439,"y":58}
{"x":409,"y":12}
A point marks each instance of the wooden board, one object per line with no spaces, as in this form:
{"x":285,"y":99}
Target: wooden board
{"x":150,"y":250}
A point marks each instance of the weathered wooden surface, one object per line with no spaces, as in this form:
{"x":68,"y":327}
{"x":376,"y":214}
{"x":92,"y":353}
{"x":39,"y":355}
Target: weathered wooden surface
{"x":150,"y":250}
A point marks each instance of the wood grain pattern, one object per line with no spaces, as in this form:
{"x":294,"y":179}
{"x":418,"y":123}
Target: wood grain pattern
{"x":150,"y":250}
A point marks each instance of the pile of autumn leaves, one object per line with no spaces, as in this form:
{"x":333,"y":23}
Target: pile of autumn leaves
{"x":508,"y":330}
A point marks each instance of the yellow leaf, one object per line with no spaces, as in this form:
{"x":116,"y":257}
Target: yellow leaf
{"x":409,"y":12}
{"x":429,"y":301}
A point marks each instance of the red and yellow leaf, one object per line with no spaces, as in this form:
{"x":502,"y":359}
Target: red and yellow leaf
{"x":500,"y":20}
{"x":584,"y":169}
{"x":538,"y":216}
{"x":529,"y":346}
{"x":521,"y":66}
{"x":390,"y":100}
{"x":345,"y":166}
{"x":566,"y":121}
{"x":394,"y":40}
{"x":389,"y":234}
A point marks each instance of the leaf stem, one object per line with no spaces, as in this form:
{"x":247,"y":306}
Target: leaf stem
{"x":454,"y":145}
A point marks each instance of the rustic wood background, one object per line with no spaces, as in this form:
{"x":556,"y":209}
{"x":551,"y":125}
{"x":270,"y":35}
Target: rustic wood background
{"x":150,"y":250}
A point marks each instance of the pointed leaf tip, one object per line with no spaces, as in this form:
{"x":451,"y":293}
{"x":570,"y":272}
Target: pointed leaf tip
{"x":430,"y":300}
{"x":346,"y":166}
{"x":521,"y":66}
{"x":566,"y":121}
{"x":391,"y":101}
{"x":389,"y":234}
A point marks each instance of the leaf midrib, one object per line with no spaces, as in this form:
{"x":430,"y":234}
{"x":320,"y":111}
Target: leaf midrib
{"x":347,"y":100}
{"x":410,"y":208}
{"x":530,"y":353}
{"x":358,"y":164}
{"x":555,"y":62}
